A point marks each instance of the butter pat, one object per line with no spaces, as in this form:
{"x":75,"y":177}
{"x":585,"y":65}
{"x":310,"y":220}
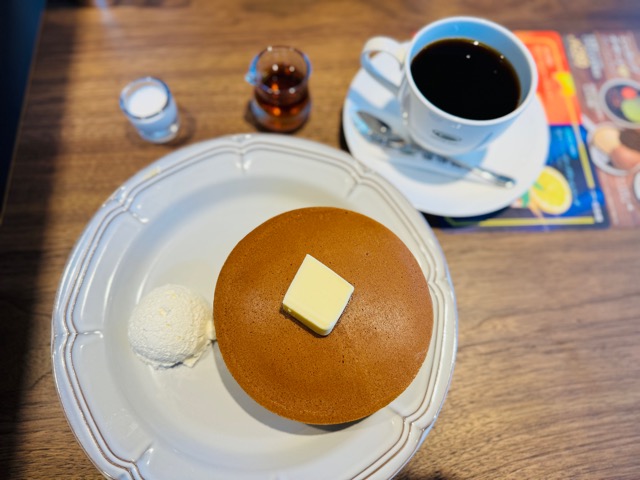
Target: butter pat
{"x":317,"y":296}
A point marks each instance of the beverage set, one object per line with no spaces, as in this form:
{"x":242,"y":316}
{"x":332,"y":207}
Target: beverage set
{"x":462,"y":82}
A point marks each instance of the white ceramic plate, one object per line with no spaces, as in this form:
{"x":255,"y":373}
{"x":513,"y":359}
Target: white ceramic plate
{"x":176,"y":221}
{"x":521,"y":152}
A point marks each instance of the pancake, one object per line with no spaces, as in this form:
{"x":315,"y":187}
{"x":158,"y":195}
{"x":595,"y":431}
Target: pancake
{"x":375,"y":349}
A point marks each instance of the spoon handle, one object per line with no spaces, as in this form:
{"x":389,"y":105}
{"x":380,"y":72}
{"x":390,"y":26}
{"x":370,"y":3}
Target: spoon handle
{"x":481,"y":172}
{"x":379,"y":132}
{"x":484,"y":173}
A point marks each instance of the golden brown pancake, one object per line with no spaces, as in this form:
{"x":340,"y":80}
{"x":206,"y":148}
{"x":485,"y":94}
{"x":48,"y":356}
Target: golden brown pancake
{"x":375,"y":349}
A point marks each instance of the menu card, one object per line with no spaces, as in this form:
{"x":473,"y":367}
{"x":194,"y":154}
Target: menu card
{"x":589,"y":85}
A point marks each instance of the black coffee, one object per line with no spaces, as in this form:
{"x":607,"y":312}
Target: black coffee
{"x":467,"y":79}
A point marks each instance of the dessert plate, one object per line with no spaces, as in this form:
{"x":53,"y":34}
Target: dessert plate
{"x":175,"y":222}
{"x":521,"y":153}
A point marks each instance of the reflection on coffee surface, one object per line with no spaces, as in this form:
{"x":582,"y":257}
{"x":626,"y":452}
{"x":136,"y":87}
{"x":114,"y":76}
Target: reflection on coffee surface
{"x":466,"y":78}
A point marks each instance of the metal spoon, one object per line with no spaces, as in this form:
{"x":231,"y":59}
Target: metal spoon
{"x":381,"y":133}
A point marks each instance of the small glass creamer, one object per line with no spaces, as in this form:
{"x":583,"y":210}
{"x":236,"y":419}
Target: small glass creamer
{"x":148,"y":104}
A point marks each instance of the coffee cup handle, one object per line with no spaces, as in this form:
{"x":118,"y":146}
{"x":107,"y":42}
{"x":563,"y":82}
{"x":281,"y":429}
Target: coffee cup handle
{"x":382,"y":45}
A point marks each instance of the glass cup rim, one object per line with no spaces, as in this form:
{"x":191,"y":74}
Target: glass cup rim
{"x":127,"y":90}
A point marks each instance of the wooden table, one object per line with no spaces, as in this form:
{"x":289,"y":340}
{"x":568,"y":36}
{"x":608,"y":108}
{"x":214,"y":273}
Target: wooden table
{"x":547,"y":380}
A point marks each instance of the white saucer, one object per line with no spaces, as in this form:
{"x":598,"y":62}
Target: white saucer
{"x":521,"y":152}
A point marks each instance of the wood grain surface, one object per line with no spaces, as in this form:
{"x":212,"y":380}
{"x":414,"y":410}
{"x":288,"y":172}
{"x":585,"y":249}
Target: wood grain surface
{"x":547,"y":380}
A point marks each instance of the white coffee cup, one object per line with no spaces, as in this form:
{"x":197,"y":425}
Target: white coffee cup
{"x":430,"y":126}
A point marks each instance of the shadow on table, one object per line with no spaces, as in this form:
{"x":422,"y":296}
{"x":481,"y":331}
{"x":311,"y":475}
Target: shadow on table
{"x":25,"y":322}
